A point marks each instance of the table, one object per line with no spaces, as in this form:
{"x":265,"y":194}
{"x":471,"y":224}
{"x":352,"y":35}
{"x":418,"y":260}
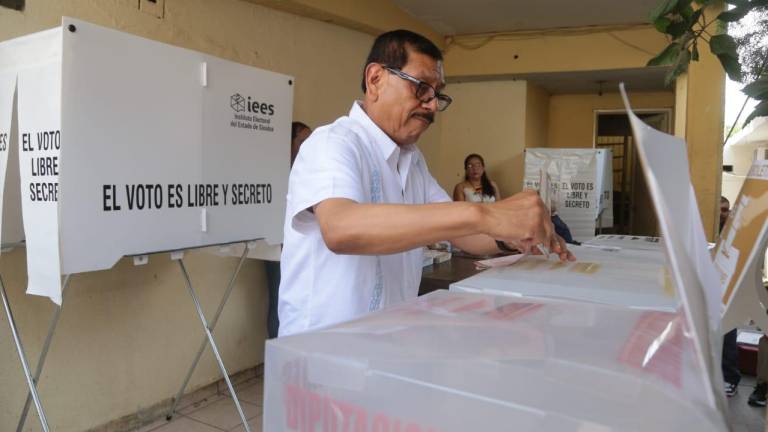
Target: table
{"x":442,"y":275}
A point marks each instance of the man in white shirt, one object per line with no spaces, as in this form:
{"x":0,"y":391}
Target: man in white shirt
{"x":362,"y":203}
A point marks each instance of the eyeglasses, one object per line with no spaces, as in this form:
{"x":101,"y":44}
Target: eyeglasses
{"x":424,"y":92}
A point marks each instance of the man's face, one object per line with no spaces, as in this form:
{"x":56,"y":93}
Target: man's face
{"x":404,"y":117}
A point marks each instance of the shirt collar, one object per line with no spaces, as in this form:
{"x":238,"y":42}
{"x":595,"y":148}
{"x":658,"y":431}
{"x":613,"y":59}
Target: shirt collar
{"x":388,"y":149}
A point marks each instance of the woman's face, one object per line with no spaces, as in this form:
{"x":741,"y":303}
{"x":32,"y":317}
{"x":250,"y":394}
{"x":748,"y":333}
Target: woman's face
{"x":475,"y":169}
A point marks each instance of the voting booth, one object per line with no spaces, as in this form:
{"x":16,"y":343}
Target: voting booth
{"x":580,"y":183}
{"x":110,"y":160}
{"x":739,"y":253}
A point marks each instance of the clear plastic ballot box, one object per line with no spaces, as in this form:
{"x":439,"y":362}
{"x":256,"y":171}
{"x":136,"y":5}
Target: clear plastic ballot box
{"x":624,"y":277}
{"x":454,"y":361}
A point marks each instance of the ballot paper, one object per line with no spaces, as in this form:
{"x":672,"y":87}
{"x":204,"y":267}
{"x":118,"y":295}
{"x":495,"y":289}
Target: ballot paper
{"x":450,"y":362}
{"x":503,"y":261}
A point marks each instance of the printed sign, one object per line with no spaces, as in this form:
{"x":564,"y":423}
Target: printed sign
{"x":115,"y":161}
{"x":580,"y":186}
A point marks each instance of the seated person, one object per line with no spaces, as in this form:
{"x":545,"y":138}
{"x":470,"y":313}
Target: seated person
{"x":476,"y":186}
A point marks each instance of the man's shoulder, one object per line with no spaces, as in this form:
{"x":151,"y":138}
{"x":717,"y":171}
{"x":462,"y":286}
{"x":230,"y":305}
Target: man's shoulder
{"x":342,"y":133}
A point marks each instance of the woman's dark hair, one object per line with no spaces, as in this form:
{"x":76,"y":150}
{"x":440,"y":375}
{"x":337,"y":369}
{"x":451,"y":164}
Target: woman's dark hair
{"x":484,"y":182}
{"x":391,"y":49}
{"x":297,"y":127}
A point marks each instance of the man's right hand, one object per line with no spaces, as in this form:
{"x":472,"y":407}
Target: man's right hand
{"x":521,"y":219}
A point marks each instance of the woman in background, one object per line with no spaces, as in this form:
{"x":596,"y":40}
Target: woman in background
{"x":476,"y":187}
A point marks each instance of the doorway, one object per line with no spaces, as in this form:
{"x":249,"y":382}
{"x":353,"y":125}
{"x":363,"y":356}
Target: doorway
{"x":633,"y":211}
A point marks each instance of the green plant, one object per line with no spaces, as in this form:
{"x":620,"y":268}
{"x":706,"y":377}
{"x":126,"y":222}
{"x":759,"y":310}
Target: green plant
{"x":684,"y":22}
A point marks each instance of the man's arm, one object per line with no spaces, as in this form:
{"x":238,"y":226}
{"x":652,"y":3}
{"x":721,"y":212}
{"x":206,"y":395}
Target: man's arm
{"x":349,"y":227}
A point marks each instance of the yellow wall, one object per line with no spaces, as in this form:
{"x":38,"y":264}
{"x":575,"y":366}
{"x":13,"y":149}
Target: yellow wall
{"x":127,"y":335}
{"x":572,"y":116}
{"x":705,"y":104}
{"x":487,"y":118}
{"x":536,"y":116}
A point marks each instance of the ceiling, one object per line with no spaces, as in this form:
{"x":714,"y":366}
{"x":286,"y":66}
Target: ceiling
{"x":460,"y":17}
{"x":639,"y":79}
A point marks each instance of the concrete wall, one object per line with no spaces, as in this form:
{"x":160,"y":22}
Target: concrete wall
{"x":127,"y":335}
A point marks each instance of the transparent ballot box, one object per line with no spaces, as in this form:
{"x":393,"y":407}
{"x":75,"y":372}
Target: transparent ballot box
{"x":453,"y":361}
{"x":633,"y":278}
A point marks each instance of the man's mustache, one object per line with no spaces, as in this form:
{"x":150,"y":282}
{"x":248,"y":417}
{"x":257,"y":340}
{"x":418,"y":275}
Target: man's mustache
{"x":428,"y":116}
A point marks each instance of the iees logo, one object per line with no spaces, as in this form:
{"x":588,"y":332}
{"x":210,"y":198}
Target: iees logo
{"x":237,"y":102}
{"x":241,"y":104}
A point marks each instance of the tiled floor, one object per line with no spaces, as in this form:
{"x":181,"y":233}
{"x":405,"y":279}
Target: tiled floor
{"x":745,"y":418}
{"x":217,"y":413}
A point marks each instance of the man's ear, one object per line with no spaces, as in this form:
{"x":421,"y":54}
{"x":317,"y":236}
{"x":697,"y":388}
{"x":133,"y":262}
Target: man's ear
{"x":374,"y":80}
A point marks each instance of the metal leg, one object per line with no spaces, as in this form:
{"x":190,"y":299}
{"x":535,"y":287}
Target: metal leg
{"x":43,"y":355}
{"x":213,"y":345}
{"x":23,"y":359}
{"x":204,"y":342}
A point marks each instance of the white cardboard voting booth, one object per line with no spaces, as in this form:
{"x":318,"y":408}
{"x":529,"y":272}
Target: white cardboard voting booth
{"x":582,"y":186}
{"x":451,"y":361}
{"x":739,"y":253}
{"x":633,"y":278}
{"x":127,"y":146}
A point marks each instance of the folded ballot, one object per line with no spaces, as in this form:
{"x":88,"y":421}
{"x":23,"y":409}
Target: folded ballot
{"x":634,"y":278}
{"x":453,"y":361}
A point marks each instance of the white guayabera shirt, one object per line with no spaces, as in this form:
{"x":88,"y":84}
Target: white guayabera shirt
{"x":351,"y":158}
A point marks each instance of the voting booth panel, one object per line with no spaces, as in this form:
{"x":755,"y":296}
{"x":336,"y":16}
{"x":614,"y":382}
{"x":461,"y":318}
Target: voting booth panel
{"x":458,"y":361}
{"x":582,"y":186}
{"x":11,"y":230}
{"x":635,"y":279}
{"x":115,"y":161}
{"x":665,"y":161}
{"x":740,"y":251}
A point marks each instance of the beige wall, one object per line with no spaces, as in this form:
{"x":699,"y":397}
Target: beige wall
{"x":536,"y":116}
{"x":572,"y":116}
{"x":487,"y":118}
{"x":578,"y":49}
{"x":127,"y":335}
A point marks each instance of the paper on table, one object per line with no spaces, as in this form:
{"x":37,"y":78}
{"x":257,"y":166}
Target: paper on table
{"x":499,"y":262}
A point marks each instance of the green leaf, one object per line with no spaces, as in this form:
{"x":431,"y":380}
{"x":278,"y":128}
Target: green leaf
{"x":735,"y":14}
{"x":757,"y":89}
{"x":662,"y":23}
{"x":737,"y":2}
{"x":681,"y":65}
{"x":761,"y":110}
{"x":677,"y":29}
{"x":695,"y":52}
{"x":664,"y":7}
{"x":723,"y":44}
{"x":695,"y":17}
{"x":703,"y":2}
{"x":731,"y":65}
{"x":685,"y":10}
{"x":666,"y":57}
